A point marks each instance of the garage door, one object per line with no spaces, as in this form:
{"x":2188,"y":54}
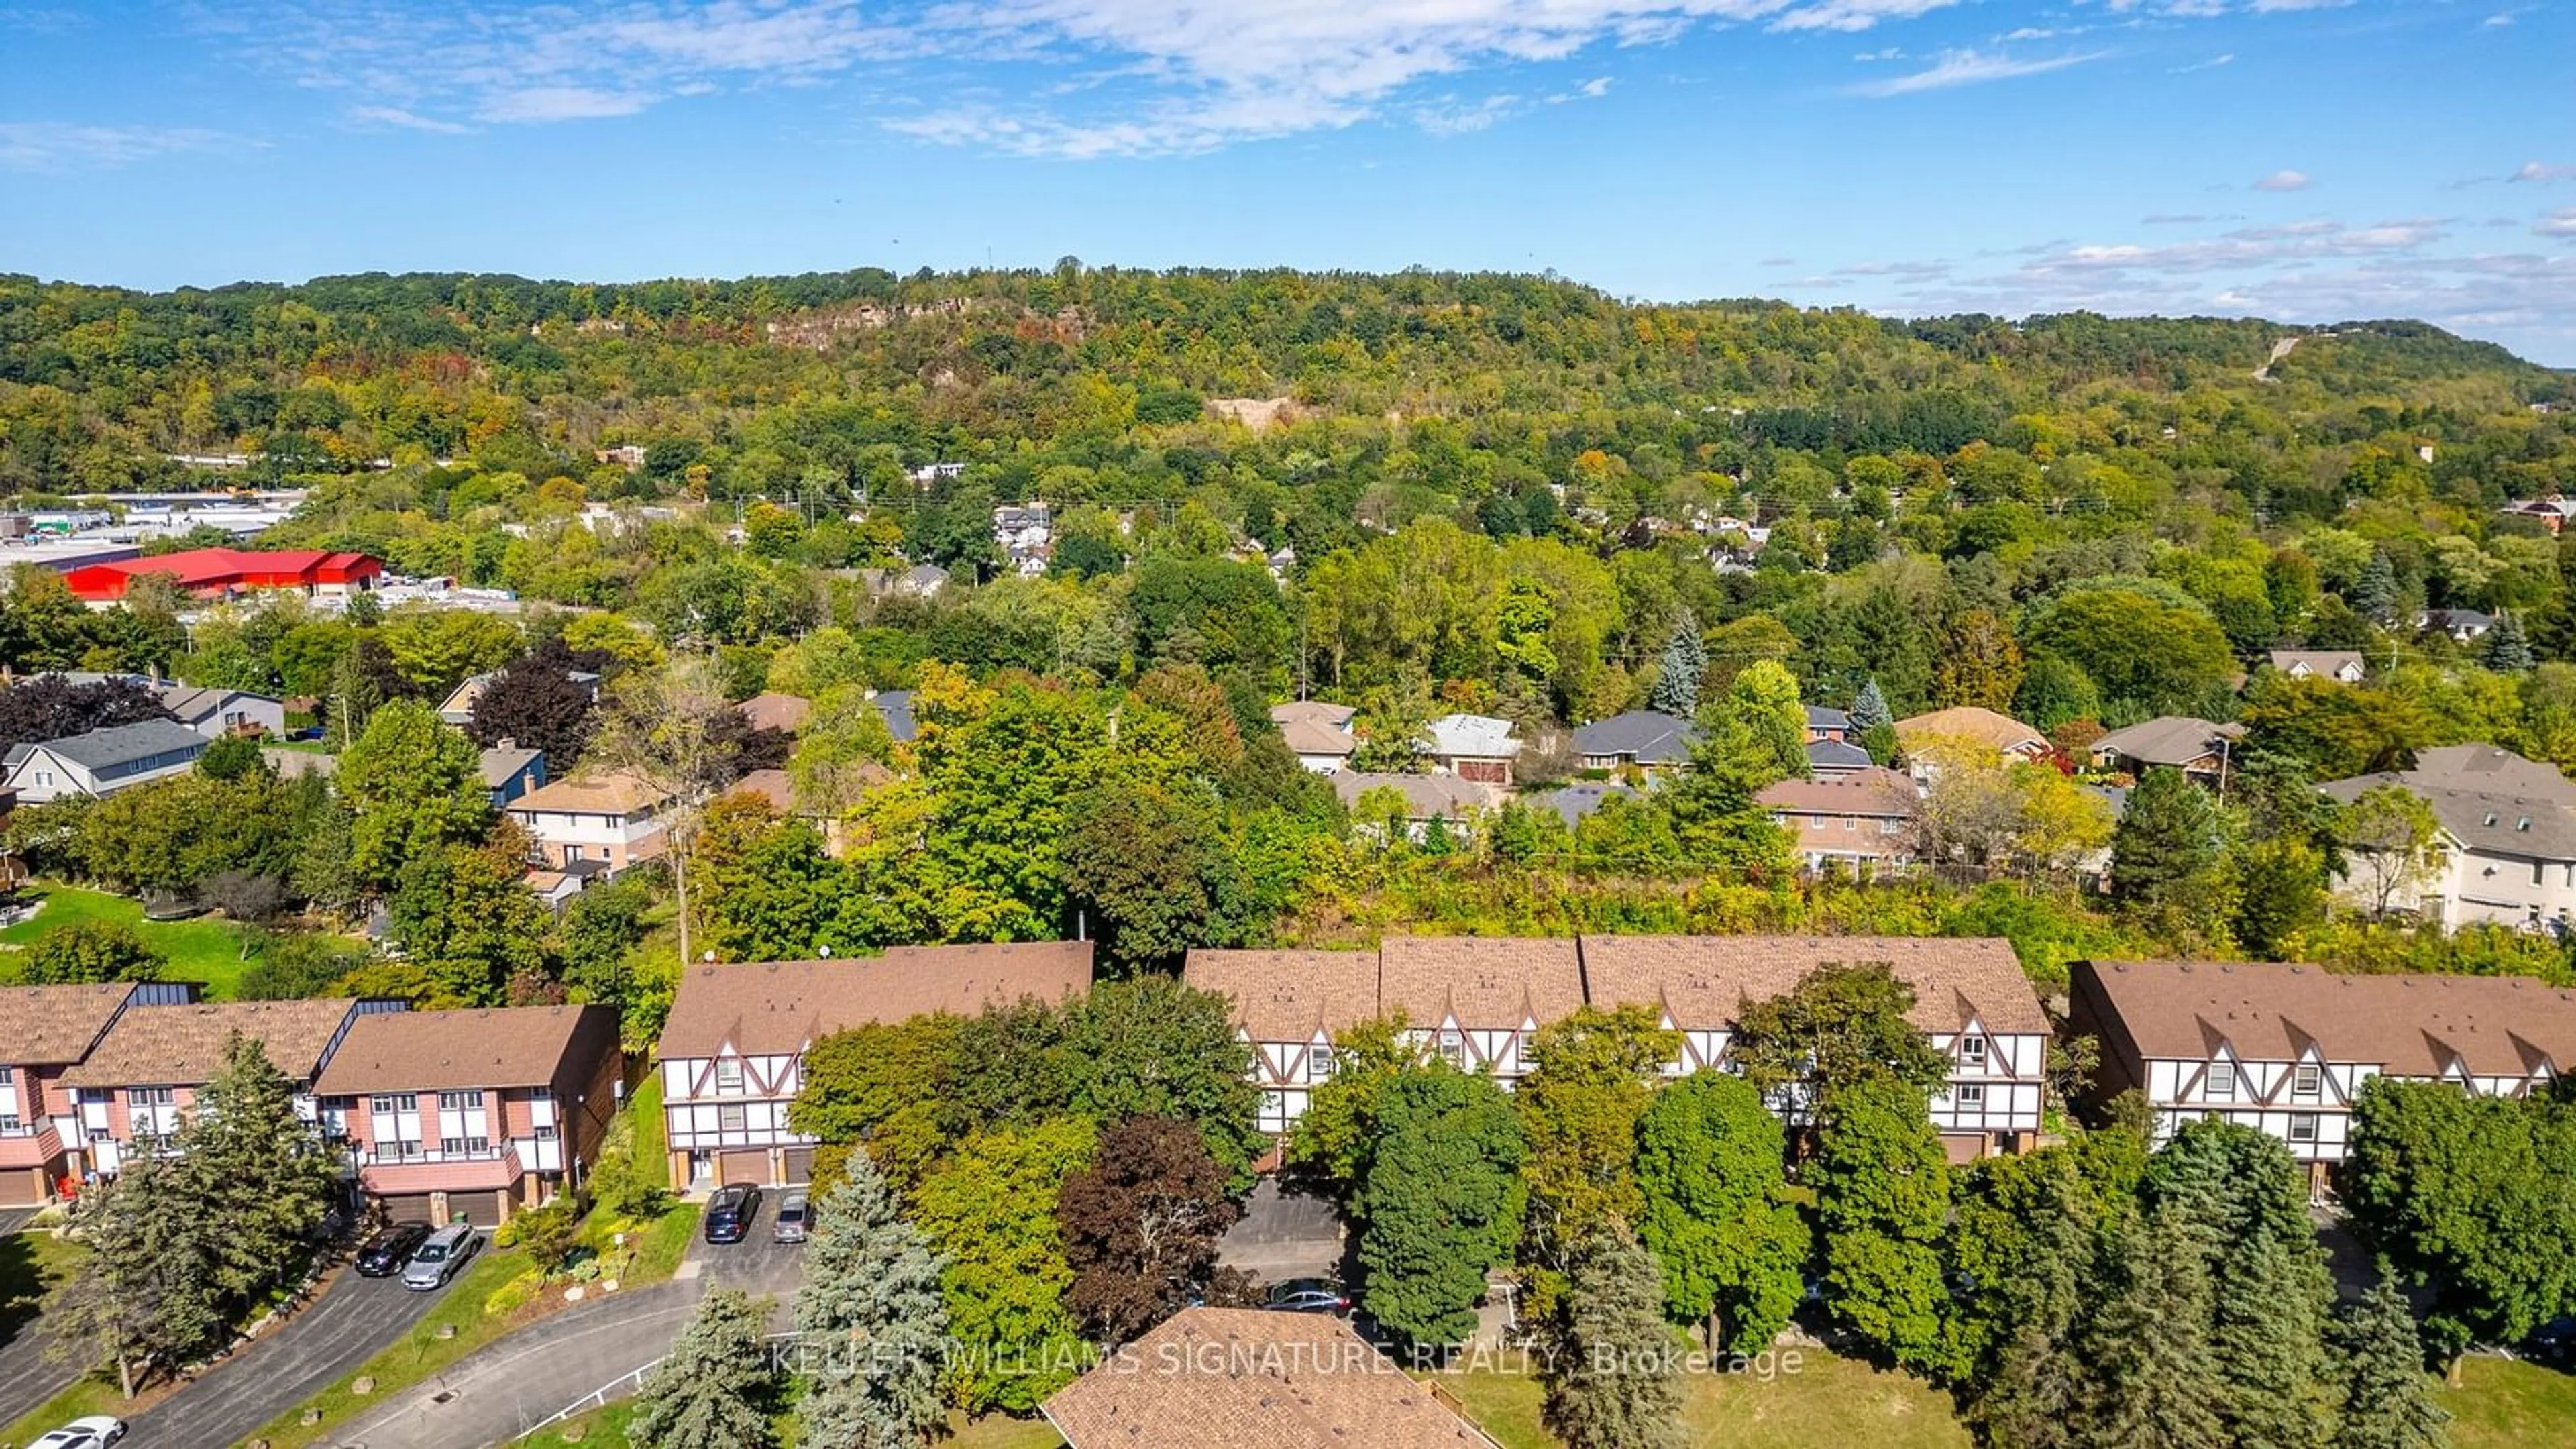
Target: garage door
{"x":482,"y":1209}
{"x":409,"y":1207}
{"x":800,"y":1164}
{"x":750,"y":1166}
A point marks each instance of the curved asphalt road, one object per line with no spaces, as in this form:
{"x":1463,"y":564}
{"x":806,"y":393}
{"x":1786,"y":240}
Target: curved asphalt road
{"x":26,"y":1378}
{"x":354,"y":1320}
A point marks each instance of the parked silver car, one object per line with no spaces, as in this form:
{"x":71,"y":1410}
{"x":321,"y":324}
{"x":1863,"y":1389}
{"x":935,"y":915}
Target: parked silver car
{"x":438,"y":1259}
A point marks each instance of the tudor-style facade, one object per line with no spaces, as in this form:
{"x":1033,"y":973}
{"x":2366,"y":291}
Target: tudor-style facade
{"x":2287,"y":1049}
{"x":45,"y":1031}
{"x":1479,"y":1001}
{"x":1288,"y":1007}
{"x":732,"y":1049}
{"x":1971,"y":1002}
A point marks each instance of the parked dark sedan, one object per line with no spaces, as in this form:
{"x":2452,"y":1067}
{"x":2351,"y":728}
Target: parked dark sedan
{"x":386,"y":1252}
{"x":730,"y":1211}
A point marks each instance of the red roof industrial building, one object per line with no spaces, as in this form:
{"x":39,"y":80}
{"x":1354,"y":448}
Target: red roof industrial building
{"x":221,"y":572}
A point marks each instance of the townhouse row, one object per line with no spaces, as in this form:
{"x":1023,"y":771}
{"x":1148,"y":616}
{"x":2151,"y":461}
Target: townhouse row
{"x":2288,"y":1048}
{"x":436,"y":1114}
{"x":1481,"y":1001}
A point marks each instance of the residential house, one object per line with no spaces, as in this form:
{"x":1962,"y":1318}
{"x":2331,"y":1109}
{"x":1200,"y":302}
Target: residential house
{"x":131,"y":1091}
{"x":1641,"y":739}
{"x":1478,"y":1000}
{"x":1836,"y":759}
{"x":1575,"y":803}
{"x":1220,"y":1378}
{"x":2286,"y":1048}
{"x":2508,"y":841}
{"x":1862,"y":822}
{"x":2550,"y":512}
{"x":919,"y":581}
{"x":224,"y":573}
{"x":1827,"y":724}
{"x":510,"y":772}
{"x":1456,"y":802}
{"x":1971,"y":1001}
{"x":615,"y":819}
{"x":44,"y":1031}
{"x":2203,"y":751}
{"x":1318,"y":734}
{"x":458,"y":708}
{"x":2462,"y":625}
{"x":2009,"y":738}
{"x":102,"y":761}
{"x":894,"y":706}
{"x":785,"y":713}
{"x":472,"y":1114}
{"x":1025,"y":534}
{"x":2343,"y":666}
{"x":732,"y":1049}
{"x":1472,"y":747}
{"x":217,"y":713}
{"x":1288,"y":1006}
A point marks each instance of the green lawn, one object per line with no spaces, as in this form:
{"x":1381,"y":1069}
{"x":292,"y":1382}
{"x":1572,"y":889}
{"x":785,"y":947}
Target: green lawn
{"x":1814,"y":1401}
{"x":203,"y":949}
{"x":30,"y":1265}
{"x":2501,"y":1404}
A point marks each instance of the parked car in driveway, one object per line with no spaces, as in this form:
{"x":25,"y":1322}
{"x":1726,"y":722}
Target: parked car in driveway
{"x":1307,"y":1295}
{"x":389,"y":1251}
{"x":788,"y":1226}
{"x":440,"y":1255}
{"x":95,"y":1432}
{"x":730,"y":1211}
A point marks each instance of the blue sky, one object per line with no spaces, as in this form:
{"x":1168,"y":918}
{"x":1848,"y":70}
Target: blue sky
{"x":2298,"y":159}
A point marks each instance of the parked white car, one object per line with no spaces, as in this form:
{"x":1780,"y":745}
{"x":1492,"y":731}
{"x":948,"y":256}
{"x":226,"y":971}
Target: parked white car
{"x":95,"y":1432}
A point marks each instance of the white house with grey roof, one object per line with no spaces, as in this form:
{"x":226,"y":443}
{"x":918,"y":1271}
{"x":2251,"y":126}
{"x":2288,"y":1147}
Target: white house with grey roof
{"x":216,"y":713}
{"x":1472,"y":747}
{"x":2508,"y":838}
{"x":103,"y":761}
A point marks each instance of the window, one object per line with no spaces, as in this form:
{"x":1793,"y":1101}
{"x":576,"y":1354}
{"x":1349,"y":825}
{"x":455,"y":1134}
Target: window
{"x":1969,"y":1094}
{"x":2306,"y":1081}
{"x":386,"y":1106}
{"x":1972,"y":1051}
{"x":148,"y":1096}
{"x":2303,"y":1126}
{"x":2221,"y":1081}
{"x":732,"y":1119}
{"x":8,"y":1075}
{"x":459,"y":1101}
{"x":10,"y":1126}
{"x":1321,"y":1063}
{"x":729,"y":1074}
{"x":464,"y":1146}
{"x":1454,"y":1047}
{"x":545,"y":1134}
{"x":403,"y":1149}
{"x":2536,"y":868}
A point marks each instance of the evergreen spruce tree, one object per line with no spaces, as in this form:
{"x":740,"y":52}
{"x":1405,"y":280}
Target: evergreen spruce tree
{"x":2379,"y":1367}
{"x":2506,"y":648}
{"x":144,"y":1298}
{"x":2166,"y":853}
{"x":2374,"y":593}
{"x":1676,"y":691}
{"x":257,"y":1175}
{"x":715,"y":1388}
{"x":1614,"y":1381}
{"x":1869,"y":708}
{"x":871,"y":1308}
{"x":2152,"y":1385}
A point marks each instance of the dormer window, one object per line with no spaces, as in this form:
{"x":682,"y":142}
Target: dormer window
{"x":2221,"y":1081}
{"x":1972,"y":1051}
{"x":2306,"y":1080}
{"x":1453,"y":1046}
{"x":729,"y":1074}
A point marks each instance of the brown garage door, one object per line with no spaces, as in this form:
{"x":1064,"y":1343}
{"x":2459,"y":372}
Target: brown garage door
{"x":752,"y":1166}
{"x":409,"y":1207}
{"x":482,"y":1209}
{"x":800,"y":1164}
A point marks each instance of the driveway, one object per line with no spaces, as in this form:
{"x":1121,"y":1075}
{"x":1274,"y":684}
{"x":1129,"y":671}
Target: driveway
{"x":26,"y":1379}
{"x":354,"y":1320}
{"x":500,"y":1393}
{"x":756,"y":1265}
{"x":1284,"y":1235}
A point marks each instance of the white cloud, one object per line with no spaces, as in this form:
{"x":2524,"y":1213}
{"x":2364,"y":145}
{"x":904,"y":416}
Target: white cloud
{"x":562,"y":103}
{"x":70,"y":146}
{"x":2536,"y":171}
{"x":2213,"y":63}
{"x":397,"y":116}
{"x":1967,"y":68}
{"x":2561,"y":222}
{"x":1596,"y":87}
{"x":2284,"y":181}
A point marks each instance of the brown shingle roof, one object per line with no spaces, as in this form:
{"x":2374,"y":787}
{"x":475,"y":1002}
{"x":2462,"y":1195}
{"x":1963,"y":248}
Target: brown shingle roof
{"x":1289,"y":995}
{"x":594,"y":795}
{"x":48,"y":1026}
{"x":1312,"y":727}
{"x":1872,"y":792}
{"x":1969,"y":722}
{"x":430,"y":1051}
{"x":784,"y":712}
{"x":1704,"y":980}
{"x":1221,"y":1378}
{"x":776,"y":1007}
{"x":1490,"y":983}
{"x":184,"y":1045}
{"x":2501,"y":1026}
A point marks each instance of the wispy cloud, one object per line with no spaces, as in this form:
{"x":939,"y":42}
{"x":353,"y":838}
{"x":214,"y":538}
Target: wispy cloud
{"x":2561,"y":222}
{"x":397,"y":116}
{"x":2285,"y":181}
{"x":2213,"y":63}
{"x":2536,"y":171}
{"x":69,"y":146}
{"x":1968,"y":68}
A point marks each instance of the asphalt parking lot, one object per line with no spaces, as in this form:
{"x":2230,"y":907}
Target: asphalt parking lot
{"x":1284,"y":1235}
{"x":757,"y":1265}
{"x":354,"y":1320}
